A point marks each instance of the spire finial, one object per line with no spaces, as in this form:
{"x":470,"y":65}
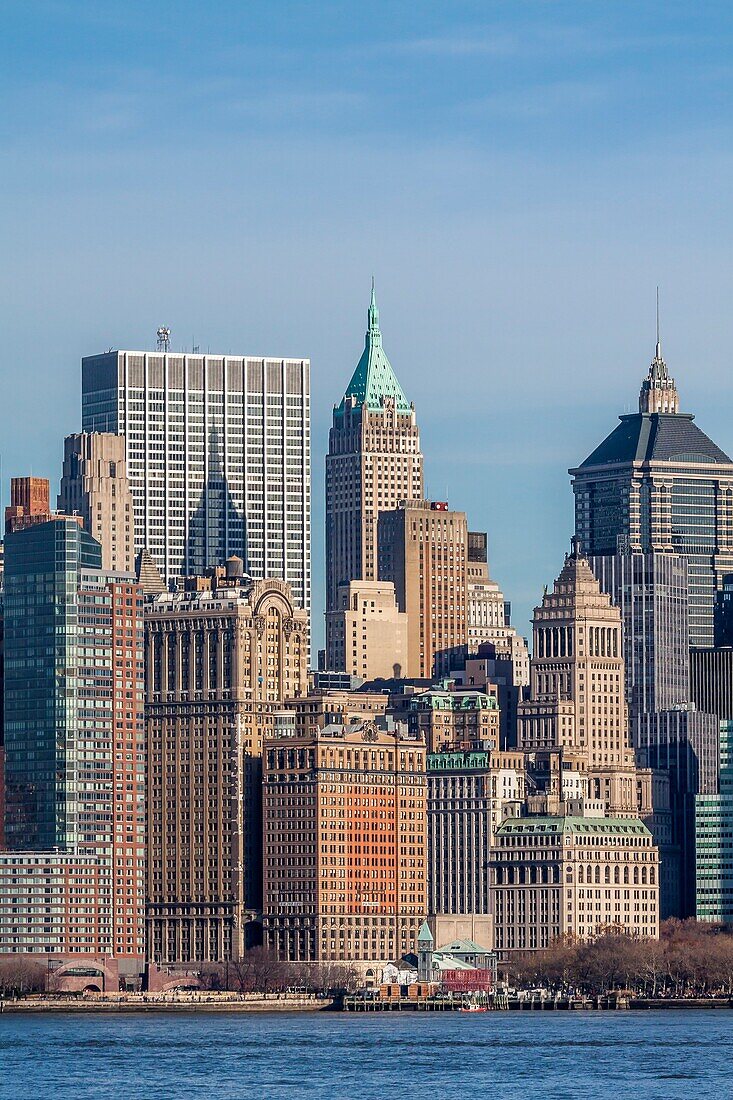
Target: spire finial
{"x":373,"y":314}
{"x":658,"y":352}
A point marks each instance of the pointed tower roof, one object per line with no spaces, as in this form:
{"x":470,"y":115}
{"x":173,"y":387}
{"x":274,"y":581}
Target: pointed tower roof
{"x":424,"y":935}
{"x":374,"y":380}
{"x":148,"y":574}
{"x":658,"y":391}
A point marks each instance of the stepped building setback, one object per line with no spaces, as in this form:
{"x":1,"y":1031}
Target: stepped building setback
{"x":94,"y":485}
{"x":374,"y":462}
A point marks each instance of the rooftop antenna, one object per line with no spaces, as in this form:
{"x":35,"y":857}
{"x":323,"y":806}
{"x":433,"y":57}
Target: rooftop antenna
{"x":164,"y":339}
{"x":659,"y":343}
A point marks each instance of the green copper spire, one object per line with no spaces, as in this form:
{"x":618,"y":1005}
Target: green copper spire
{"x":374,"y":379}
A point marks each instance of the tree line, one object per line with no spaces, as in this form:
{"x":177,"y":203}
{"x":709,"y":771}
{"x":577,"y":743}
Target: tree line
{"x":690,"y":959}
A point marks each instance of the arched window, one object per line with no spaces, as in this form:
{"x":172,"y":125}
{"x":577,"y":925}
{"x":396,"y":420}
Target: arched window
{"x":626,"y":876}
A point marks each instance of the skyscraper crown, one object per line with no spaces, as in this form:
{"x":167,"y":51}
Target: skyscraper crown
{"x":658,"y":391}
{"x":374,"y":383}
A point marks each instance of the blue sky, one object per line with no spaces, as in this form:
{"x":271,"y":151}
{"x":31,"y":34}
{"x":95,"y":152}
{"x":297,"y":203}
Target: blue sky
{"x":517,"y":176}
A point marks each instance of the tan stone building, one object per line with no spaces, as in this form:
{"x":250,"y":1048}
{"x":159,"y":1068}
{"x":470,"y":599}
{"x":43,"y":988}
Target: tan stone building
{"x":566,"y":875}
{"x":366,"y":635}
{"x":221,"y":656}
{"x":373,"y":462}
{"x":423,"y":550}
{"x":450,"y":718}
{"x":577,"y":686}
{"x":344,"y":843}
{"x":319,"y":709}
{"x":94,"y":485}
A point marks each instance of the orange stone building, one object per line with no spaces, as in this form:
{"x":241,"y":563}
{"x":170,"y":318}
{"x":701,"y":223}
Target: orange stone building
{"x":344,"y":842}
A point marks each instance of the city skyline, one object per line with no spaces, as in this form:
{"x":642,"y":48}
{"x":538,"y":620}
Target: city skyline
{"x":521,"y":593}
{"x":518,"y":179}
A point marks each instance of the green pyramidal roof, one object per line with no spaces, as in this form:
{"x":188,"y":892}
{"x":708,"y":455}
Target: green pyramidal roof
{"x":424,"y":935}
{"x":374,"y":378}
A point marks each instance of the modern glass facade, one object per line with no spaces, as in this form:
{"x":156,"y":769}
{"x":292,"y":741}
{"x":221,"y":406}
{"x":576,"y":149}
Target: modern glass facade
{"x":74,"y":730}
{"x":218,"y":457}
{"x":42,"y":569}
{"x":714,"y":841}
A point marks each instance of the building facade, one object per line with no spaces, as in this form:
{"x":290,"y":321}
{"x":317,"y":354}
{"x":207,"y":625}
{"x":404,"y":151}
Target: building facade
{"x":94,"y":485}
{"x":453,"y":719}
{"x":711,"y":681}
{"x":75,"y":764}
{"x":423,"y":551}
{"x":658,"y":484}
{"x":560,"y":876}
{"x":367,"y":633}
{"x":714,"y":841}
{"x":374,"y":462}
{"x":330,"y":706}
{"x":469,"y":795}
{"x":221,"y":656}
{"x":218,"y":457}
{"x":344,"y":843}
{"x":651,"y":592}
{"x":577,"y":700}
{"x":29,"y":503}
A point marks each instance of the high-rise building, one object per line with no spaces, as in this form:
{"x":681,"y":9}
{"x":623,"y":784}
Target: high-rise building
{"x":657,"y":483}
{"x":366,"y":634}
{"x":724,"y":613}
{"x":714,"y":841}
{"x":29,"y":503}
{"x":572,"y":876}
{"x":711,"y":681}
{"x":423,"y":550}
{"x":344,"y":843}
{"x":486,"y":608}
{"x":94,"y":485}
{"x":670,"y":727}
{"x":650,"y":591}
{"x":74,"y":733}
{"x":218,"y":457}
{"x":222,"y":654}
{"x":469,"y":795}
{"x":577,"y":699}
{"x":373,"y":463}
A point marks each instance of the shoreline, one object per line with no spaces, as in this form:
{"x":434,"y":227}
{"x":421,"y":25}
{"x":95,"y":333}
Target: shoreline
{"x":259,"y":1005}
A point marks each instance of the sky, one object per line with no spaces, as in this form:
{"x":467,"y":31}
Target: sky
{"x":518,"y":177}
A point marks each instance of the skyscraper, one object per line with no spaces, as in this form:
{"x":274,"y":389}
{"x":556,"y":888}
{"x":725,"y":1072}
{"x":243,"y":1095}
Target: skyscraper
{"x":222,"y":655}
{"x":94,"y":485}
{"x":74,"y":734}
{"x":657,"y":483}
{"x":373,"y":463}
{"x":218,"y":457}
{"x":344,"y":842}
{"x":423,"y":550}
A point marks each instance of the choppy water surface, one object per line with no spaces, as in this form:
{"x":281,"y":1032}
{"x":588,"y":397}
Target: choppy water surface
{"x":643,"y":1055}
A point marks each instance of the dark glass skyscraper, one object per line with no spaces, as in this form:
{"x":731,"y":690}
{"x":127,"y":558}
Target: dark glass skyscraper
{"x":658,"y":484}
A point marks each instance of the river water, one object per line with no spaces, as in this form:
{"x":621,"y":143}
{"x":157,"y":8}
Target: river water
{"x":553,"y":1056}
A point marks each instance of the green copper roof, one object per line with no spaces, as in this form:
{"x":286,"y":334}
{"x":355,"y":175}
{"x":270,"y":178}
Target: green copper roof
{"x":424,"y":935}
{"x":569,"y":824}
{"x":374,"y":378}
